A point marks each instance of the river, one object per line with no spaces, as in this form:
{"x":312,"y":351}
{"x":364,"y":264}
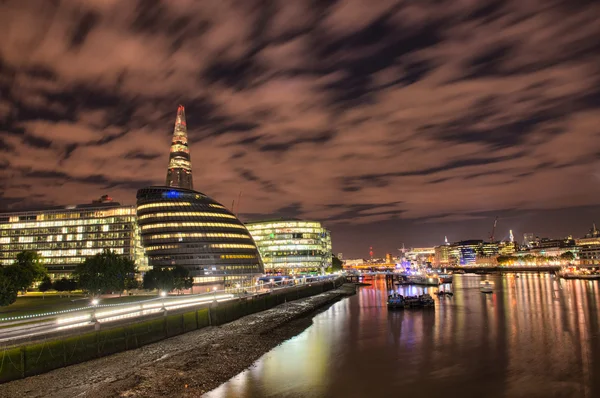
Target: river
{"x":535,"y":336}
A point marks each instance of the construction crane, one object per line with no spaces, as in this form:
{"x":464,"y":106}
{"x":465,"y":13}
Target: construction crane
{"x":493,"y":229}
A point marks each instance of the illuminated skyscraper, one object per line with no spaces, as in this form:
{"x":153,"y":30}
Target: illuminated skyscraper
{"x":179,"y":173}
{"x":183,"y":227}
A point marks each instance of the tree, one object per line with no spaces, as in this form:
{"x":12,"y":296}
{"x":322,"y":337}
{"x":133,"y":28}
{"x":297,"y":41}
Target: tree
{"x":105,"y":272}
{"x":8,"y":292}
{"x":26,"y":270}
{"x":64,"y":285}
{"x":336,"y":264}
{"x":45,"y":286}
{"x":159,"y":278}
{"x":567,"y":256}
{"x":181,"y":278}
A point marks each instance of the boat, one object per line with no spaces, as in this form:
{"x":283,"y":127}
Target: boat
{"x":574,"y":273}
{"x":442,"y":293}
{"x":486,"y":286}
{"x":580,"y":276}
{"x":421,"y":279}
{"x":445,"y":278}
{"x":395,"y":301}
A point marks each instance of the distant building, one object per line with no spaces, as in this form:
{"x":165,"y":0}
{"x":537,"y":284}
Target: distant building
{"x":471,"y":252}
{"x":292,"y":246}
{"x":354,"y":261}
{"x":589,"y":256}
{"x":442,"y":256}
{"x":528,"y":239}
{"x":420,"y":256}
{"x":65,"y":236}
{"x":507,"y":248}
{"x":591,"y":238}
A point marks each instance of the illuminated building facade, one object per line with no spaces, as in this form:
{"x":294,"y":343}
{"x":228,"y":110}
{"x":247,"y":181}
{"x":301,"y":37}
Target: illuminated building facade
{"x":179,"y":172}
{"x":187,"y":228}
{"x":292,"y":246}
{"x":65,"y":236}
{"x":589,"y":256}
{"x":507,"y":248}
{"x":420,"y":256}
{"x":442,"y":256}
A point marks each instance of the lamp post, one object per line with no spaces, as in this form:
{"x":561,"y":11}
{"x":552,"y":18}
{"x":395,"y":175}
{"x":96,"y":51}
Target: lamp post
{"x":95,"y":302}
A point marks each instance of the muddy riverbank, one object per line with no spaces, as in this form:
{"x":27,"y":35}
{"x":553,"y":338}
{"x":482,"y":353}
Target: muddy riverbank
{"x":184,"y":366}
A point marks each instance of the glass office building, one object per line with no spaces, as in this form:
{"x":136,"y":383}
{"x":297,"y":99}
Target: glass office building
{"x":292,"y":246}
{"x":65,"y":236}
{"x":187,"y":228}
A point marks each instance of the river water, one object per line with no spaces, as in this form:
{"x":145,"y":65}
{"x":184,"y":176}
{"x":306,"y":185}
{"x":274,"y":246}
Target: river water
{"x":535,"y":336}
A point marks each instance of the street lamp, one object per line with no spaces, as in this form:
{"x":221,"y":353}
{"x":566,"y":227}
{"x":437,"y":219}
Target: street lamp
{"x":163,"y":294}
{"x":94,"y":319}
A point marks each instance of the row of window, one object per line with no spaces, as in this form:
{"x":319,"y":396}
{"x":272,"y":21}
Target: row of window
{"x":66,"y":261}
{"x":289,"y":224}
{"x":190,"y":224}
{"x":188,"y":256}
{"x":163,"y":204}
{"x":182,"y":235}
{"x":203,"y":246}
{"x":290,"y":249}
{"x":295,"y":259}
{"x":186,"y":214}
{"x":176,"y":204}
{"x":38,"y":239}
{"x":286,"y":231}
{"x":66,"y":245}
{"x":63,"y":231}
{"x":122,"y":211}
{"x":276,"y":239}
{"x":67,"y":223}
{"x":232,"y":256}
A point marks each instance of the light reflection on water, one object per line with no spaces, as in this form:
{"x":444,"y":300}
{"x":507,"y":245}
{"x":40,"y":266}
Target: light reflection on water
{"x":535,"y":336}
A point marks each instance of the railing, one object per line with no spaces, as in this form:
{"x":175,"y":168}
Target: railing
{"x":29,"y":326}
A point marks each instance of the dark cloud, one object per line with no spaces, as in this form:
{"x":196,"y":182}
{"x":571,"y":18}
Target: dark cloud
{"x":400,"y":121}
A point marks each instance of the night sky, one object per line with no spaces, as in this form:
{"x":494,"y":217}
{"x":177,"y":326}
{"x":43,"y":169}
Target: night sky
{"x":392,"y":122}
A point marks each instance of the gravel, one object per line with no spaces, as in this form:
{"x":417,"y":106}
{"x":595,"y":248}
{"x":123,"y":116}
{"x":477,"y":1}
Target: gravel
{"x":183,"y":366}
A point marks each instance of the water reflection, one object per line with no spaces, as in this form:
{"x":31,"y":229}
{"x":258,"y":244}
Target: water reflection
{"x":534,"y":336}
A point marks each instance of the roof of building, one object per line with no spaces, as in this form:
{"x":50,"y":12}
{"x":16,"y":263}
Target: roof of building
{"x":63,"y":207}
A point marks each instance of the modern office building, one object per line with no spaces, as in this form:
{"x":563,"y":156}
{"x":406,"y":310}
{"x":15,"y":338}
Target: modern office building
{"x":65,"y":236}
{"x":442,"y":256}
{"x":182,"y":227}
{"x":292,"y":246}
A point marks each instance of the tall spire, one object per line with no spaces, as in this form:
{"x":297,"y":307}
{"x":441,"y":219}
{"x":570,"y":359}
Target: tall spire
{"x":179,"y":173}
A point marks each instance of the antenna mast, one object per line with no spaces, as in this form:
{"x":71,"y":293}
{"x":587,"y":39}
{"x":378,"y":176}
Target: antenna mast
{"x":239,"y":200}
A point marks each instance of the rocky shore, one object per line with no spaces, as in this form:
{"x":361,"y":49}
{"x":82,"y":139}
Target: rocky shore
{"x":184,"y":366}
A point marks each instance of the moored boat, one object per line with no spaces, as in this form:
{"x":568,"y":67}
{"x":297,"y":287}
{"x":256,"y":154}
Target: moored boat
{"x":486,"y":286}
{"x":395,"y":301}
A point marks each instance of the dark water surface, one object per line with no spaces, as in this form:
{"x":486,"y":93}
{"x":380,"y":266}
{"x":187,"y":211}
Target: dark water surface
{"x":535,"y":336}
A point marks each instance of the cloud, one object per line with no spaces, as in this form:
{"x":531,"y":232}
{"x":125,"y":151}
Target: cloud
{"x":353,"y":113}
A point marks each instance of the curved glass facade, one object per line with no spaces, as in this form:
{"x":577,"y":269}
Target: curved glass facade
{"x":292,"y":246}
{"x":187,"y":228}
